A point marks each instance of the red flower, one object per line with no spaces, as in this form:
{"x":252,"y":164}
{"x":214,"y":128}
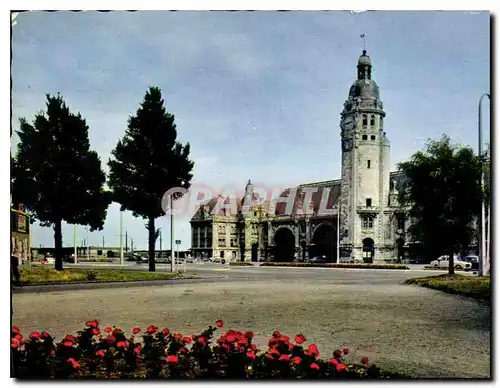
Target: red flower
{"x":68,"y":344}
{"x":15,"y":329}
{"x":187,"y":340}
{"x":243,"y":341}
{"x":272,"y":341}
{"x":136,"y":330}
{"x":253,"y":347}
{"x":45,"y":334}
{"x":117,"y":331}
{"x":299,"y":339}
{"x":313,"y":349}
{"x":14,"y":343}
{"x":35,"y":335}
{"x":69,"y":338}
{"x":151,"y":329}
{"x":172,"y":359}
{"x":251,"y":355}
{"x":284,"y":357}
{"x":346,"y":351}
{"x":296,"y":360}
{"x":248,"y":334}
{"x":182,"y":350}
{"x":177,"y":336}
{"x":333,"y":361}
{"x":276,"y":333}
{"x":273,"y":352}
{"x":110,"y":338}
{"x":341,"y":367}
{"x":230,"y":338}
{"x":73,"y":363}
{"x":202,"y":340}
{"x":219,"y":323}
{"x":108,"y":329}
{"x":121,"y":344}
{"x":138,"y":349}
{"x":19,"y":336}
{"x":96,"y":331}
{"x":92,"y":324}
{"x":337,"y":353}
{"x":99,"y":353}
{"x":314,"y":366}
{"x":165,"y":332}
{"x":364,"y":360}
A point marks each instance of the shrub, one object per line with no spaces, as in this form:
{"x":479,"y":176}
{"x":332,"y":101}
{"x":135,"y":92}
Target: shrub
{"x":111,"y":353}
{"x":91,"y":275}
{"x":241,"y":263}
{"x":336,"y":265}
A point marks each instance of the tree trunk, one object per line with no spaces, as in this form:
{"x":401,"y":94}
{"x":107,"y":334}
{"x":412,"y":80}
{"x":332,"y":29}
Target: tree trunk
{"x":451,"y":267}
{"x":152,"y":241}
{"x":58,"y":245}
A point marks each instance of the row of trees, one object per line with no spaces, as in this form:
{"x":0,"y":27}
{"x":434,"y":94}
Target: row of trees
{"x":59,"y":178}
{"x":443,"y":193}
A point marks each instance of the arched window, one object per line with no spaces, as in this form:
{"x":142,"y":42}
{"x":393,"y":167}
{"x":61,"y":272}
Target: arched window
{"x":365,"y":120}
{"x":372,"y":120}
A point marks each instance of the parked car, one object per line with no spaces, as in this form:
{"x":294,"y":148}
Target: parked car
{"x":317,"y":259}
{"x":443,"y":262}
{"x":473,"y":260}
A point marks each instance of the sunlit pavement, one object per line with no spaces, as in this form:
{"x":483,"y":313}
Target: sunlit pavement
{"x":408,"y":329}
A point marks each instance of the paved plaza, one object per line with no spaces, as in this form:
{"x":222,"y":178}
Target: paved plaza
{"x":408,"y":329}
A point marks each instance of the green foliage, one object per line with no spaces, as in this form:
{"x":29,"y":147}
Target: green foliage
{"x":161,"y":354}
{"x":90,"y":275}
{"x":39,"y":275}
{"x":332,"y":265}
{"x":443,"y":194}
{"x":147,"y":162}
{"x":474,"y":287}
{"x":56,"y":175}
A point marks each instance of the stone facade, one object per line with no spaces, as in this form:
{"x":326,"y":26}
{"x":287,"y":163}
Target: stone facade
{"x":371,"y":227}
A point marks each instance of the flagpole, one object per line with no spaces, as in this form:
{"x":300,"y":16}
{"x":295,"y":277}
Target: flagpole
{"x":338,"y":232}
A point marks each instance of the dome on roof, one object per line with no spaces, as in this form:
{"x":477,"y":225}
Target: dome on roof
{"x":365,"y":89}
{"x":364,"y":60}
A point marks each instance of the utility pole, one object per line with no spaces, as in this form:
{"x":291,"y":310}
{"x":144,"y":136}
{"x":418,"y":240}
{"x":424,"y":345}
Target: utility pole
{"x":132,"y":244}
{"x":103,"y":242}
{"x":88,"y":245}
{"x":338,"y":231}
{"x":126,"y":242}
{"x":121,"y":237}
{"x":160,"y":239}
{"x":74,"y":245}
{"x":482,"y":236}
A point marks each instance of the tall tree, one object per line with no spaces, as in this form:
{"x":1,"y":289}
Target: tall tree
{"x":443,"y":194}
{"x":147,"y":162}
{"x":56,"y":175}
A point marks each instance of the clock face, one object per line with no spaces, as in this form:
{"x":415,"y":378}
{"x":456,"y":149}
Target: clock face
{"x":346,"y":145}
{"x":347,"y":123}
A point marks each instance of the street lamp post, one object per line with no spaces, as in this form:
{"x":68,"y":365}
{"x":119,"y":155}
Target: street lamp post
{"x":172,"y":262}
{"x":481,"y":223}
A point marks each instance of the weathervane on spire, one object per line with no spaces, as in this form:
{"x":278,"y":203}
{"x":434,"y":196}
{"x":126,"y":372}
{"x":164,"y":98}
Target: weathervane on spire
{"x":363,"y":36}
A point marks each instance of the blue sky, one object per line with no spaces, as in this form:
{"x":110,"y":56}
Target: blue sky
{"x":257,"y":94}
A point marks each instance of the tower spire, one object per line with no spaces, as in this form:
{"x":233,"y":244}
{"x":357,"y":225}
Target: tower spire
{"x":363,"y":36}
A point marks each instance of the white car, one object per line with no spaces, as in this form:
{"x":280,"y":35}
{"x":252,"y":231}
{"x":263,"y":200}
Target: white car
{"x":443,"y":262}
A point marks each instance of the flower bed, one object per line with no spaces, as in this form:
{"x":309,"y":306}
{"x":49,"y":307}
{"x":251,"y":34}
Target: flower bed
{"x":330,"y":265}
{"x":112,"y":354}
{"x":241,"y":264}
{"x":471,"y":286}
{"x":43,"y":275}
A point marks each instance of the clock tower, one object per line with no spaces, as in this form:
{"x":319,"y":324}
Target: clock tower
{"x":364,"y":197}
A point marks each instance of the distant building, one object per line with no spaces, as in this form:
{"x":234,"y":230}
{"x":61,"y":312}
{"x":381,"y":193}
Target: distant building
{"x":373,"y":228}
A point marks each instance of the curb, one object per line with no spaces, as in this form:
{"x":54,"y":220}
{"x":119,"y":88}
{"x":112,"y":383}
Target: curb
{"x":101,"y":285}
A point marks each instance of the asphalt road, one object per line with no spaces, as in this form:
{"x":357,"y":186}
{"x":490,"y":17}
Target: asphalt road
{"x":408,"y":329}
